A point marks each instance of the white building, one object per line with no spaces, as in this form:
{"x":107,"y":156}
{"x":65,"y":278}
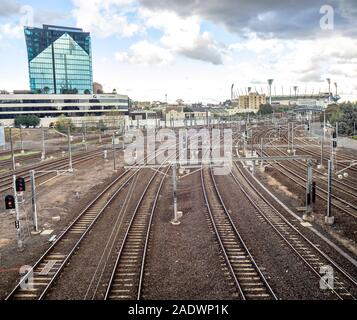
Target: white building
{"x":49,"y":106}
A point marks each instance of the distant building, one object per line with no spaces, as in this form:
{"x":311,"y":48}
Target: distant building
{"x":49,"y":107}
{"x":97,"y":88}
{"x":251,"y":102}
{"x":59,"y":60}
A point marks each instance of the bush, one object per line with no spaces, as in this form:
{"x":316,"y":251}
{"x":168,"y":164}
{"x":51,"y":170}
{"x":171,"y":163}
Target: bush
{"x":63,"y":123}
{"x":102,"y":126}
{"x":27,"y":121}
{"x":265,"y":109}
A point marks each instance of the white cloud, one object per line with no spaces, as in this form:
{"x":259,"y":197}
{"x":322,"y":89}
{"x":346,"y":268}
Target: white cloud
{"x":105,"y":18}
{"x":183,"y":35}
{"x":145,"y":52}
{"x":10,"y":30}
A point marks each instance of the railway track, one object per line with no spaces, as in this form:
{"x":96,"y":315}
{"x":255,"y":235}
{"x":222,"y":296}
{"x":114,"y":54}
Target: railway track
{"x":38,"y":280}
{"x":58,"y":164}
{"x":313,"y":257}
{"x":346,"y":207}
{"x":248,"y":278}
{"x":126,"y":280}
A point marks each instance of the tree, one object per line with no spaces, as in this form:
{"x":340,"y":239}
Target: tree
{"x":63,"y":123}
{"x":86,"y":91}
{"x":27,"y":121}
{"x":102,"y":126}
{"x":46,"y":90}
{"x":265,"y":109}
{"x":187,"y":109}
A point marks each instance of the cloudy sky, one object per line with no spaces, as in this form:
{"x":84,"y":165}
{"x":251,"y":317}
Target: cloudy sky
{"x":195,"y":49}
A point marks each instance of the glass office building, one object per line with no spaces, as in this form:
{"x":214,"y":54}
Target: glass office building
{"x":60,"y":60}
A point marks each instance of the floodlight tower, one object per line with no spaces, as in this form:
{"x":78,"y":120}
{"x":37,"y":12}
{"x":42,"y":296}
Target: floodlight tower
{"x":336,"y":88}
{"x":295,"y":90}
{"x":329,"y":89}
{"x":270,"y":82}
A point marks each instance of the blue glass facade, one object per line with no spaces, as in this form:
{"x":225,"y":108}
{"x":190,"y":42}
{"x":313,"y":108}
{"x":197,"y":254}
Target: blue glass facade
{"x":60,"y":60}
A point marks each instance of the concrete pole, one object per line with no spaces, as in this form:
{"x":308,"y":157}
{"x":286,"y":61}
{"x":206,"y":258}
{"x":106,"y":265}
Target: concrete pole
{"x":43,"y":153}
{"x":12,"y":151}
{"x":174,"y":191}
{"x":22,"y":141}
{"x":34,"y":205}
{"x":83,"y":134}
{"x":253,"y":167}
{"x":114,"y":156}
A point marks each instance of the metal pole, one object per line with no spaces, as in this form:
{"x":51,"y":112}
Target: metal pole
{"x":322,"y":151}
{"x":70,"y":149}
{"x":22,"y":141}
{"x":308,"y":190}
{"x":174,"y":190}
{"x":292,"y":138}
{"x":34,"y":205}
{"x":289,"y":137}
{"x":251,"y":142}
{"x":324,"y":124}
{"x":17,"y":218}
{"x":43,"y":154}
{"x":83,"y":135}
{"x":261,"y":151}
{"x":114,"y":160}
{"x":335,"y":149}
{"x":329,"y":218}
{"x":12,"y":151}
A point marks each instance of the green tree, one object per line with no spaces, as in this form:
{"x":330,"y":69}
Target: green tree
{"x":86,"y":91}
{"x":46,"y":90}
{"x":265,"y":109}
{"x":27,"y":121}
{"x":102,"y":126}
{"x":63,"y":123}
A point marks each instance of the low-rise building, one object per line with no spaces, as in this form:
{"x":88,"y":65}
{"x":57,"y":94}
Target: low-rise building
{"x":251,"y":102}
{"x":49,"y":106}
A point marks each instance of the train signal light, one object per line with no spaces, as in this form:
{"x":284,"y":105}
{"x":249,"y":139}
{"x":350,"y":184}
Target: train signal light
{"x":20,"y":184}
{"x":9,"y":202}
{"x":334,"y":140}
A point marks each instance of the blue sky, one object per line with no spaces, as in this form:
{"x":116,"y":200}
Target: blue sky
{"x":195,"y":50}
